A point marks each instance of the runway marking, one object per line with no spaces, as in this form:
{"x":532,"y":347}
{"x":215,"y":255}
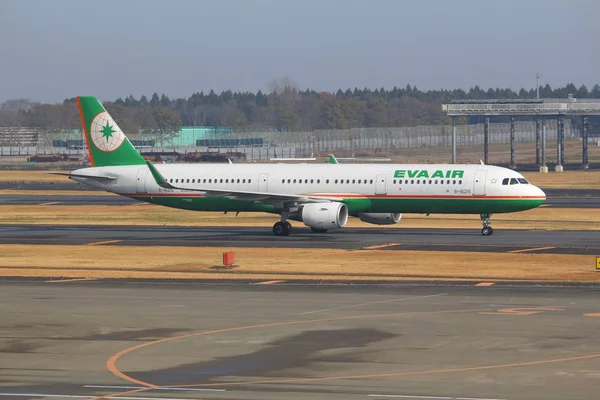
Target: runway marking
{"x":111,"y":364}
{"x":372,"y":302}
{"x":595,"y":315}
{"x":381,"y":246}
{"x":103,"y":242}
{"x":521,"y":311}
{"x":70,"y":280}
{"x":485,"y":284}
{"x":167,"y":388}
{"x":49,"y":203}
{"x":75,"y":396}
{"x":408,"y":396}
{"x":532,"y":249}
{"x":267,"y":282}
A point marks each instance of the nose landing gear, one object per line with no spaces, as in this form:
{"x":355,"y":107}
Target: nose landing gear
{"x":487,"y":229}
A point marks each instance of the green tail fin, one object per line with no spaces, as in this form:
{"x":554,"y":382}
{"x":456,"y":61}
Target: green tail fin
{"x":106,"y":143}
{"x":331,"y":159}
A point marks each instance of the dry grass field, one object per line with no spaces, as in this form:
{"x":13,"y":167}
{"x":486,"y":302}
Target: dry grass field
{"x":266,"y":264}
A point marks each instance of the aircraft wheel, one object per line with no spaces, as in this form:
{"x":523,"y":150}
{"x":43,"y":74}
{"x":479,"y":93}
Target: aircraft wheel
{"x":281,"y":229}
{"x":487,"y":231}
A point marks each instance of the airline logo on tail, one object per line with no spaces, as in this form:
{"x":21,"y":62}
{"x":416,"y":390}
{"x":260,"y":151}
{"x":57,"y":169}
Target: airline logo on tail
{"x":106,"y":142}
{"x":106,"y":134}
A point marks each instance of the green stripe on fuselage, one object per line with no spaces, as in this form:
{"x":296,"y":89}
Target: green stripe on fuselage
{"x":359,"y":205}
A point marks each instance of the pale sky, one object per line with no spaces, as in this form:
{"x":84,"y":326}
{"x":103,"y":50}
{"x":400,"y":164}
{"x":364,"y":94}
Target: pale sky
{"x":54,"y":49}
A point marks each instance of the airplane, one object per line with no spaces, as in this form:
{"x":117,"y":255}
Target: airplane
{"x":320,"y":196}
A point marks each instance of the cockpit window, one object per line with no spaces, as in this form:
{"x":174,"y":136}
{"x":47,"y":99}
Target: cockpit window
{"x":505,"y":181}
{"x":523,"y":180}
{"x":513,"y":181}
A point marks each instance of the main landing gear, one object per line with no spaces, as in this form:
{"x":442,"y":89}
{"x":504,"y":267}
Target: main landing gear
{"x":282,"y":228}
{"x":487,"y":229}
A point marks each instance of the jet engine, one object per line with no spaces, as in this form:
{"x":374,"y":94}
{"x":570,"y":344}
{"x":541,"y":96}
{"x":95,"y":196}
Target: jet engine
{"x":325,"y":216}
{"x":380,"y":218}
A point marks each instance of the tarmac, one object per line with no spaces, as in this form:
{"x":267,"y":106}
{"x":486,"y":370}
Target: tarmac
{"x":388,"y":239}
{"x":135,"y":341}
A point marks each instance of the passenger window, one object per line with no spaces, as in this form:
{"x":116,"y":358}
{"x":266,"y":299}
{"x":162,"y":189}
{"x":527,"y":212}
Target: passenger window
{"x":249,"y":180}
{"x":394,"y":181}
{"x":448,"y":182}
{"x":353,"y":181}
{"x":318,"y":181}
{"x":311,"y":181}
{"x":294,"y":181}
{"x":513,"y":181}
{"x":238,"y":181}
{"x":171,"y":180}
{"x":460,"y":182}
{"x":283,"y":181}
{"x":204,"y":180}
{"x":454,"y":182}
{"x":176,"y":180}
{"x":336,"y":181}
{"x":371,"y":181}
{"x":243,"y":181}
{"x":221,"y":180}
{"x":412,"y":181}
{"x":435,"y":182}
{"x":418,"y":181}
{"x":430,"y":181}
{"x":347,"y":180}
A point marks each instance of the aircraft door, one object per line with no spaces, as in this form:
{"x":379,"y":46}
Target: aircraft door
{"x":263,"y":180}
{"x":479,"y":182}
{"x":140,"y":182}
{"x":380,"y":184}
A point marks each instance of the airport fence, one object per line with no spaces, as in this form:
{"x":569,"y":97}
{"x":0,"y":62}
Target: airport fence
{"x":262,"y":145}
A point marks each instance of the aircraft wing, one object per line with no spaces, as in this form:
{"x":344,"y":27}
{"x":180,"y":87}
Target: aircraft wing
{"x":262,"y":197}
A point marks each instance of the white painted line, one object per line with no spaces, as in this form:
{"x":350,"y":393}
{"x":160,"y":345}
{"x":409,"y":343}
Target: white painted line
{"x":373,"y":302}
{"x":408,"y":396}
{"x":155,"y":388}
{"x":66,"y":396}
{"x":73,"y":396}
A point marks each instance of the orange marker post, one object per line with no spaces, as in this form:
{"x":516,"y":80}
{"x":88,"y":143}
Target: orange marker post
{"x":229,"y":259}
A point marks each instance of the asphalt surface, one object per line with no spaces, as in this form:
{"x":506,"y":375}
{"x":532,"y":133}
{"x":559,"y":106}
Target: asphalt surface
{"x":388,"y":239}
{"x":79,"y":339}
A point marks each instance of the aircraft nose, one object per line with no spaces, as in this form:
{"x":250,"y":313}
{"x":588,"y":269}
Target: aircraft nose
{"x":539,"y":192}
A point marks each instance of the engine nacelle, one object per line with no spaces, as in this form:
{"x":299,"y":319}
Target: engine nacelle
{"x":380,"y":218}
{"x":325,"y":216}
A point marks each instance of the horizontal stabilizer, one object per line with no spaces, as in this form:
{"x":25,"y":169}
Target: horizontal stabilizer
{"x":98,"y":177}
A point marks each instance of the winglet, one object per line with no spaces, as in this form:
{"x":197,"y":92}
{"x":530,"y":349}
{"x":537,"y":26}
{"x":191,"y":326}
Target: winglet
{"x":331,"y":158}
{"x":160,"y":180}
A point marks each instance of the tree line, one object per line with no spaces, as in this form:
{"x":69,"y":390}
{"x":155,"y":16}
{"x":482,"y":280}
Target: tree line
{"x":284,"y":108}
